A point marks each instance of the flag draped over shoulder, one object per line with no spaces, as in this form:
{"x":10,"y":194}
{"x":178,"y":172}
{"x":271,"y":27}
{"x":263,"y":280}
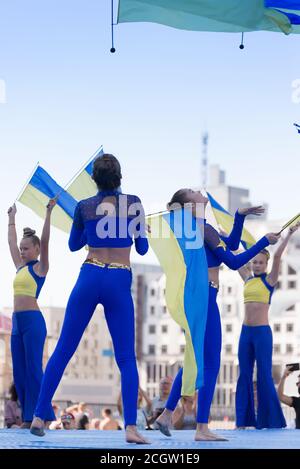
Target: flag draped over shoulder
{"x":215,"y":15}
{"x":177,"y":241}
{"x":225,"y":220}
{"x":42,"y":187}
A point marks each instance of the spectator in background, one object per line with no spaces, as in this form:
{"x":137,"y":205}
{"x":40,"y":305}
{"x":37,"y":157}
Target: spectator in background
{"x":185,"y":416}
{"x":142,"y":412}
{"x":67,"y":421}
{"x":159,"y":402}
{"x":83,"y":423}
{"x":56,"y":424}
{"x":108,"y":422}
{"x":291,"y":401}
{"x":78,"y":410}
{"x":95,"y":424}
{"x":12,"y":411}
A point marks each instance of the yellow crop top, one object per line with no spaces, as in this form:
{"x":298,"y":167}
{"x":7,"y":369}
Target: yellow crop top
{"x":27,"y":282}
{"x":258,"y":290}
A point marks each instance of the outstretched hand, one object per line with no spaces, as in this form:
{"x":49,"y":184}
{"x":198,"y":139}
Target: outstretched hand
{"x":257,"y":210}
{"x":273,"y":237}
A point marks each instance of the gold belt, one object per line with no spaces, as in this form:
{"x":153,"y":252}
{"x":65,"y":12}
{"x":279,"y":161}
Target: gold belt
{"x":112,"y":265}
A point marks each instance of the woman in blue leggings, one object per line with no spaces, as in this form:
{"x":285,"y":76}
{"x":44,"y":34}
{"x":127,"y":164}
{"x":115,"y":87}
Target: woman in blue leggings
{"x":218,"y":250}
{"x":107,"y":223}
{"x":256,"y":344}
{"x":28,"y":324}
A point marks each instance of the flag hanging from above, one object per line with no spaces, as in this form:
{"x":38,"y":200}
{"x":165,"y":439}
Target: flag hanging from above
{"x":215,"y":15}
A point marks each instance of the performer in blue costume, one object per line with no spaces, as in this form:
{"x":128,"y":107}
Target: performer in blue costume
{"x":28,"y":325}
{"x":217,"y":252}
{"x":107,"y":223}
{"x":256,"y":344}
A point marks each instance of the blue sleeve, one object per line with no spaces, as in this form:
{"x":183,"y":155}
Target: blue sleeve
{"x":140,"y":238}
{"x":233,"y":240}
{"x":235,"y":262}
{"x":77,"y":239}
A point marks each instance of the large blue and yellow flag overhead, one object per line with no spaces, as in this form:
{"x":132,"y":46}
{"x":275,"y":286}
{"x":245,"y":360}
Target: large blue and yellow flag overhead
{"x":225,"y":221}
{"x":215,"y":15}
{"x":177,"y":241}
{"x":42,"y":187}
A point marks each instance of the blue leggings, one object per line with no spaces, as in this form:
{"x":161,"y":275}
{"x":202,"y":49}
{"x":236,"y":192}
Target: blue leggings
{"x":111,"y":288}
{"x":27,"y":346}
{"x":212,"y":353}
{"x":256,"y":345}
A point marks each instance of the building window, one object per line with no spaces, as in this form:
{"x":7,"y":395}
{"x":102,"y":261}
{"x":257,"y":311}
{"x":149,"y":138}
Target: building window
{"x":291,"y":271}
{"x":152,"y":292}
{"x":164,"y":309}
{"x":228,"y":348}
{"x":290,"y":327}
{"x":164,"y":349}
{"x":164,"y":329}
{"x":152,"y":329}
{"x":151,"y":349}
{"x":279,"y":285}
{"x":152,"y":310}
{"x":289,"y":348}
{"x":85,"y":344}
{"x":85,"y":361}
{"x":229,"y":290}
{"x":110,"y":377}
{"x":229,"y":308}
{"x":292,"y":284}
{"x":291,"y":308}
{"x":182,"y":348}
{"x":228,"y":328}
{"x":277,"y":348}
{"x":277,"y":327}
{"x":95,"y":360}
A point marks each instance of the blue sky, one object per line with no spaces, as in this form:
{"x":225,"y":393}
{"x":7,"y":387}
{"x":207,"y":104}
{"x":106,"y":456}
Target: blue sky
{"x":148,"y":103}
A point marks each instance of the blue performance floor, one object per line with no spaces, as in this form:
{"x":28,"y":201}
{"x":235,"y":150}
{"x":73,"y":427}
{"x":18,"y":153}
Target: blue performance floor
{"x":181,"y":440}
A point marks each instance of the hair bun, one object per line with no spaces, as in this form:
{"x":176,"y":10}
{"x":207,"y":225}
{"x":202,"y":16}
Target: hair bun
{"x":28,"y":232}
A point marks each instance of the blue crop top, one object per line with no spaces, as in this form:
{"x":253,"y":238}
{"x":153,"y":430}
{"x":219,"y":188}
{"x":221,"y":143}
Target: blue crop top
{"x":100,"y":224}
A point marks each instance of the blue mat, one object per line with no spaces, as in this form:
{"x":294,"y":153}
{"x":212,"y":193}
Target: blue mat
{"x":63,"y":439}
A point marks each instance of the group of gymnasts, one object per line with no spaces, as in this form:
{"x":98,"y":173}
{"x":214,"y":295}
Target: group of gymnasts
{"x":105,"y":277}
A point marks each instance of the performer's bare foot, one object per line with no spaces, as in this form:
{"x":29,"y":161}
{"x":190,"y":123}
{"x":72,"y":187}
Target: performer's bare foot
{"x":37,"y":427}
{"x":164,"y":421}
{"x":133,"y":436}
{"x":204,"y":434}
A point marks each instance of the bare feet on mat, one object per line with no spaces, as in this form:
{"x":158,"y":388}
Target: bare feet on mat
{"x":133,"y":436}
{"x":164,"y":421}
{"x":37,"y":427}
{"x":207,"y":435}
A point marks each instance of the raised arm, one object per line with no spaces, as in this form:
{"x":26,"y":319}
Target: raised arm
{"x":12,"y":237}
{"x":43,"y":265}
{"x":233,"y":240}
{"x":274,"y":274}
{"x":77,"y":239}
{"x":282,"y":397}
{"x":225,"y":255}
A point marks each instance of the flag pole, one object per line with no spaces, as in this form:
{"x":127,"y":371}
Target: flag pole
{"x":289,"y":223}
{"x":64,"y":188}
{"x":26,"y":183}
